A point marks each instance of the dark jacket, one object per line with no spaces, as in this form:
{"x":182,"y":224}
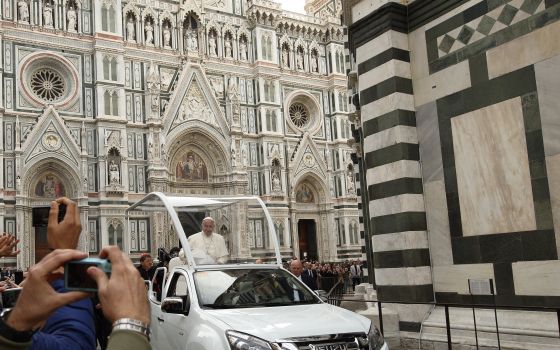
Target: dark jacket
{"x":309,"y":279}
{"x":69,"y":327}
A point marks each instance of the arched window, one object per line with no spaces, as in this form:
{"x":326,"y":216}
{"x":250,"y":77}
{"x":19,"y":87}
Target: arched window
{"x":280,"y":233}
{"x":107,"y":100}
{"x":116,"y":234}
{"x":115,"y":103}
{"x":271,"y":120}
{"x":337,"y":62}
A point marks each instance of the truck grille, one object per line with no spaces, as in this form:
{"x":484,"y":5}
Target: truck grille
{"x":349,"y":341}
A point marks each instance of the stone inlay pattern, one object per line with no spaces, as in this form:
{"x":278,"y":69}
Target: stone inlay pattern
{"x":494,"y":21}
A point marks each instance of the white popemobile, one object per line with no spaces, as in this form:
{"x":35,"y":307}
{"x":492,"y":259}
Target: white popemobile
{"x":203,"y":305}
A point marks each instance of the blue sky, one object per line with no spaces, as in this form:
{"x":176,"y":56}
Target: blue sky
{"x":293,"y":5}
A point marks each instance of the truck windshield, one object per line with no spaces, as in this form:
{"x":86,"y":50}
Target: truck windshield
{"x":244,"y":288}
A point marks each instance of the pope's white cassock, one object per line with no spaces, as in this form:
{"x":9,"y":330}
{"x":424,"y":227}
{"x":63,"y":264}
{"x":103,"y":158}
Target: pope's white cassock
{"x":213,"y":246}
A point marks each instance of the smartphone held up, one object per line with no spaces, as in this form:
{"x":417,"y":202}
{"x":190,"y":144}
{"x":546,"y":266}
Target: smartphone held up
{"x":76,"y":277}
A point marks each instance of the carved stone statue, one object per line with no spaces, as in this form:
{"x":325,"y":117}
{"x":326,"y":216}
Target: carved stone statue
{"x":314,"y":64}
{"x":350,"y":179}
{"x":228,"y":48}
{"x":243,"y":50}
{"x":114,"y":174}
{"x":285,"y":57}
{"x":275,"y":182}
{"x":23,"y":11}
{"x":71,"y":17}
{"x":130,"y":34}
{"x":166,"y":37}
{"x":212,"y":44}
{"x":192,"y":40}
{"x":149,"y":33}
{"x":233,"y":156}
{"x":47,"y":15}
{"x":300,"y":60}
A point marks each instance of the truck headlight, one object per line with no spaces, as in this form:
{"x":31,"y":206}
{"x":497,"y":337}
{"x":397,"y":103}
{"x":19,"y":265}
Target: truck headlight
{"x":375,"y":338}
{"x":242,"y":341}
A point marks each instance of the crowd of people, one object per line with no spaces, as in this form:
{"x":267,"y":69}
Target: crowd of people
{"x":324,"y":276}
{"x":48,"y":317}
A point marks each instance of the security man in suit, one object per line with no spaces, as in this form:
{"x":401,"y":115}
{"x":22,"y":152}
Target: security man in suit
{"x":297,"y":268}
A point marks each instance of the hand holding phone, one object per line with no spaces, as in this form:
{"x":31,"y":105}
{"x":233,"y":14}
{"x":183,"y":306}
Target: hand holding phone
{"x":124,"y":283}
{"x":38,"y":300}
{"x":76,"y":277}
{"x":63,"y":231}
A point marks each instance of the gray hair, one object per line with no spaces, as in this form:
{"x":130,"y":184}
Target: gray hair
{"x":209,"y":218}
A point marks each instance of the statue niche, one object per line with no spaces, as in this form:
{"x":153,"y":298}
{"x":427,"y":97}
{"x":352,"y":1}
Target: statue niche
{"x":191,"y":168}
{"x":114,"y":168}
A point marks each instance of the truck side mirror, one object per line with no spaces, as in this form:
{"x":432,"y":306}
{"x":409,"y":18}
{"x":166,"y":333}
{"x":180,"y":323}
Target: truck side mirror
{"x":176,"y":305}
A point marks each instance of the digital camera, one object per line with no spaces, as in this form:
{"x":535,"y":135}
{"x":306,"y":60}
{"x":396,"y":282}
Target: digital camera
{"x":76,"y":277}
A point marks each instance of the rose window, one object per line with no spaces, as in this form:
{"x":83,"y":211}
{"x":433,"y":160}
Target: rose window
{"x":47,"y":84}
{"x":299,"y":115}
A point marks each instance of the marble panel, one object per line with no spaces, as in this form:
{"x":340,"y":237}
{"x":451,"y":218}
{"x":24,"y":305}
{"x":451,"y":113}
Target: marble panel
{"x":553,"y":169}
{"x":526,"y":50}
{"x":403,"y":276}
{"x":389,"y":137}
{"x":455,"y":278}
{"x":400,"y":241}
{"x":393,"y":171}
{"x":439,"y":236}
{"x":397,"y":204}
{"x":547,"y":74}
{"x":387,"y":104}
{"x":430,"y":146}
{"x":393,"y":68}
{"x":445,"y":82}
{"x":492,"y":166}
{"x":536,"y":277}
{"x":381,"y":43}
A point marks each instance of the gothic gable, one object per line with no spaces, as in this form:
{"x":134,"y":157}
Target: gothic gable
{"x":193,"y":103}
{"x":50,"y":138}
{"x":307,"y":158}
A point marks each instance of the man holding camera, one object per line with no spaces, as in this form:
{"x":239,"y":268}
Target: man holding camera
{"x":66,"y":318}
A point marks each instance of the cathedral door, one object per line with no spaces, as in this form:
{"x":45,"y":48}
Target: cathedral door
{"x":307,"y":239}
{"x":40,"y":221}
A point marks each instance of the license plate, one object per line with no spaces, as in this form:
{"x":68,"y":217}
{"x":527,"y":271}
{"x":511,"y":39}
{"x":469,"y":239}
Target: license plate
{"x":339,"y":346}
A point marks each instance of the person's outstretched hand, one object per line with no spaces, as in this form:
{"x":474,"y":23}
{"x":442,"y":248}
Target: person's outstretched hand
{"x":7,"y":245}
{"x":123,"y":295}
{"x":64,"y":234}
{"x":38,"y":300}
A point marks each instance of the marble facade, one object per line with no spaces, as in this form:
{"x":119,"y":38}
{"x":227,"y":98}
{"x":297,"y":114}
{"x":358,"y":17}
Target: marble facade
{"x":140,"y":93}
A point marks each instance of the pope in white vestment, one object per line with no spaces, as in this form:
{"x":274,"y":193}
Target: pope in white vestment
{"x":212,"y":244}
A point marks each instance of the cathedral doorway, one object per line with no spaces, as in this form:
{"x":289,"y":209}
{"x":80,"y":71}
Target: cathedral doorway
{"x":307,"y":236}
{"x":40,"y":221}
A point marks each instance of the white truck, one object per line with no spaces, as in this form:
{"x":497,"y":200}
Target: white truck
{"x":241,"y":304}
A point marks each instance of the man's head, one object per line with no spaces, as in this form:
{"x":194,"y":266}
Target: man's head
{"x":296,"y":268}
{"x":146,"y":261}
{"x":208,"y":226}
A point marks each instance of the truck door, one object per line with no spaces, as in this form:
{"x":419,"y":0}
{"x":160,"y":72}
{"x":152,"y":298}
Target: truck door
{"x":158,"y":340}
{"x":177,"y":324}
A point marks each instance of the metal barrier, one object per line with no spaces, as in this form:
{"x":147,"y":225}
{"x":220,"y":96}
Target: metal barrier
{"x":446,"y":307}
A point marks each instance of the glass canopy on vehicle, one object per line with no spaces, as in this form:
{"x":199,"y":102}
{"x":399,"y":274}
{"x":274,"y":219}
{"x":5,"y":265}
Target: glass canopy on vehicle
{"x":243,"y":231}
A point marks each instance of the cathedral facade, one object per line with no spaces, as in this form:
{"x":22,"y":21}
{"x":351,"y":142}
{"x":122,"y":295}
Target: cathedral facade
{"x":105,"y":101}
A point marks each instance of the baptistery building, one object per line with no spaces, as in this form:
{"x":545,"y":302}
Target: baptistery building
{"x":105,"y":101}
